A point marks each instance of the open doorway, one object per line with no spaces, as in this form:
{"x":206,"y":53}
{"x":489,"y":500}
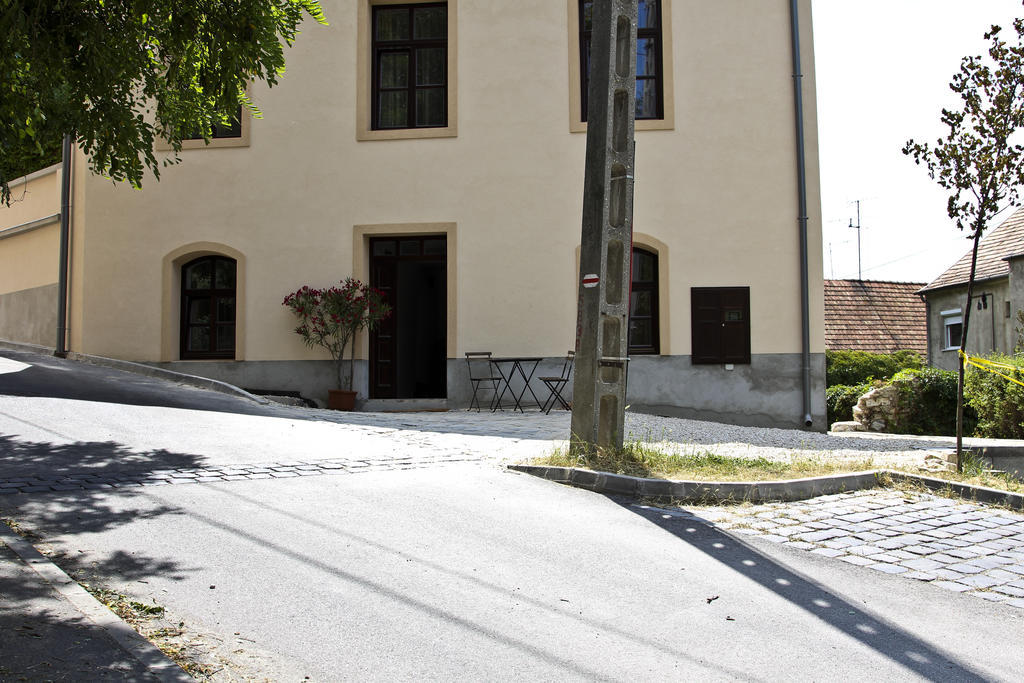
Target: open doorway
{"x":408,"y":351}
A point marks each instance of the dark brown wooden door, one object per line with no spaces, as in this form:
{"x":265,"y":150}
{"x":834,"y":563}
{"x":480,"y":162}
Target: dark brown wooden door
{"x":382,"y":339}
{"x":408,"y":351}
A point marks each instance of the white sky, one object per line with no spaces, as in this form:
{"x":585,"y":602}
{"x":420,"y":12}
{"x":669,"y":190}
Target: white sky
{"x":883,"y":71}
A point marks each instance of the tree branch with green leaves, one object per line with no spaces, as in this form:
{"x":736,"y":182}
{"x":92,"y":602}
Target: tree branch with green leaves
{"x":120,"y":74}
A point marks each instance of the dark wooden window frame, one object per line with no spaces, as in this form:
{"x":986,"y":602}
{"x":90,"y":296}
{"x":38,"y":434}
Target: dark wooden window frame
{"x":213,"y":294}
{"x":220,"y":131}
{"x":659,"y":68}
{"x":652,"y":286}
{"x":711,"y":347}
{"x":408,"y":46}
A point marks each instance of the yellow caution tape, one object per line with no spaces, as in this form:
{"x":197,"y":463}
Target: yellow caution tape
{"x":988,"y":365}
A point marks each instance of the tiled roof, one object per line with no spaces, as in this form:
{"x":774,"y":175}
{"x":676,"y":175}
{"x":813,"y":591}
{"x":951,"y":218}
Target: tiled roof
{"x":869,"y":315}
{"x":1007,"y":239}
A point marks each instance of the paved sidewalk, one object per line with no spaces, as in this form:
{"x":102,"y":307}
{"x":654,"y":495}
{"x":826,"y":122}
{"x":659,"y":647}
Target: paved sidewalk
{"x":54,"y":631}
{"x":957,"y":545}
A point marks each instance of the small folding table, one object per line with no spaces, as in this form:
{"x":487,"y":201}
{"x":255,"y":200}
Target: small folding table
{"x":508,"y":367}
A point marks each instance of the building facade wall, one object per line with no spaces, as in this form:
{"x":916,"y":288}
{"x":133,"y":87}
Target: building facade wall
{"x":29,"y":244}
{"x":990,"y":329}
{"x":716,"y":190}
{"x":1015,"y":325}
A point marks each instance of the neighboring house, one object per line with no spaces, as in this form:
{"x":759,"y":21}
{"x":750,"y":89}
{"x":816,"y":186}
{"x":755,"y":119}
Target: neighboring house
{"x":436,"y":149}
{"x":876,"y":316}
{"x":998,"y":296}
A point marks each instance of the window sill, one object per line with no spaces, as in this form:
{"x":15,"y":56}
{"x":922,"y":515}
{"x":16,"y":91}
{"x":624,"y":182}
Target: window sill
{"x":407,"y":133}
{"x":215,"y":143}
{"x":642,"y":124}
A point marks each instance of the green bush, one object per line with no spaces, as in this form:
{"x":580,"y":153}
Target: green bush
{"x":999,"y":403}
{"x":856,"y":367}
{"x":928,"y":403}
{"x":840,"y":400}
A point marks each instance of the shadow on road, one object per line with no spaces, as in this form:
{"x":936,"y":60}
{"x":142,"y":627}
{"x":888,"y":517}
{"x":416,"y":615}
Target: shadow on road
{"x":48,"y":377}
{"x":46,"y":515}
{"x":26,"y":459}
{"x":885,"y":638}
{"x":44,"y":639}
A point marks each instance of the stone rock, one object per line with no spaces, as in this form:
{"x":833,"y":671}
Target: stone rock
{"x":853,"y":426}
{"x":877,"y":409}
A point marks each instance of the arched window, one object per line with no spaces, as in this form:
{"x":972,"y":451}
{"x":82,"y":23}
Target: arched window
{"x":643,"y":303}
{"x":208,"y":308}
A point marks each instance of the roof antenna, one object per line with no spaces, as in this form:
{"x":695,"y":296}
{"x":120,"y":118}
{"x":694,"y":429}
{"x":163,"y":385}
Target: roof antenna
{"x":857,"y":228}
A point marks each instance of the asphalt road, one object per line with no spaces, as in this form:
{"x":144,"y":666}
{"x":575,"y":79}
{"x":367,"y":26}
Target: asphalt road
{"x":459,"y":571}
{"x":36,"y":375}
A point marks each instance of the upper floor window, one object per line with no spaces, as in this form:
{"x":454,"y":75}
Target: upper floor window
{"x":643,"y":303}
{"x":650,"y":98}
{"x":410,"y":66}
{"x":208,"y":308}
{"x":232,"y":129}
{"x":720,"y":324}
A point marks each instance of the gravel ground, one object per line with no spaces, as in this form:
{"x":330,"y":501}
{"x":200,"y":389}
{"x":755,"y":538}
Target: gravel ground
{"x":691,"y":436}
{"x":518,"y":436}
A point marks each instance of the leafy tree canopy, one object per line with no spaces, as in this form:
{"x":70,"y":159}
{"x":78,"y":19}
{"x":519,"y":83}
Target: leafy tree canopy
{"x":118,"y":74}
{"x":980,"y":161}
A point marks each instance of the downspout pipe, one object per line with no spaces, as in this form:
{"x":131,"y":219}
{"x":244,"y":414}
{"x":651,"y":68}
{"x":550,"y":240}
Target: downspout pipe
{"x":61,"y":349}
{"x":801,"y":164}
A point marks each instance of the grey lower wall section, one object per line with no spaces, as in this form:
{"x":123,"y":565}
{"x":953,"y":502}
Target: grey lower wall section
{"x":311,"y":378}
{"x":29,"y":316}
{"x":766,"y":393}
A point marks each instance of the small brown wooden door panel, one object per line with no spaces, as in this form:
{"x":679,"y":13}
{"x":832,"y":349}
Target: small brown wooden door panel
{"x":720,"y":320}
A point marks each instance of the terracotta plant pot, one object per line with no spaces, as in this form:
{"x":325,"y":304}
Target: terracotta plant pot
{"x":340,"y":399}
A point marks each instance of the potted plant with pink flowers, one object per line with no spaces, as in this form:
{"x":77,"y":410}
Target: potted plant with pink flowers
{"x":330,"y":318}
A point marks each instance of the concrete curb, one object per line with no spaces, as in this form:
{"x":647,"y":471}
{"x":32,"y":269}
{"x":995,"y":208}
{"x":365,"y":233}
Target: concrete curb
{"x":23,"y":346}
{"x":756,"y":492}
{"x":139,"y":648}
{"x":141,"y":369}
{"x":170,"y":375}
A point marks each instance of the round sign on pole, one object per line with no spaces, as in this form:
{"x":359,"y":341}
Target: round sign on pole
{"x":590,"y":280}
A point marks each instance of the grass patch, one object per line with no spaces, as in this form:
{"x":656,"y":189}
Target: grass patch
{"x":649,"y":460}
{"x":976,"y":473}
{"x":642,"y":459}
{"x":148,"y":620}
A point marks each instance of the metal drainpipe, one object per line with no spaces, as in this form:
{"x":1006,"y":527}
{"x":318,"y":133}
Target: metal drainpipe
{"x":927,"y":329}
{"x":65,"y":242}
{"x":805,"y":307}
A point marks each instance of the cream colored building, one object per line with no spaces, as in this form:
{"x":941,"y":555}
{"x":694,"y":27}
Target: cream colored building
{"x":461,"y":191}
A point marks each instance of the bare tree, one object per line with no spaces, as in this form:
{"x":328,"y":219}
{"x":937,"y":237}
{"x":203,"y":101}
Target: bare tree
{"x":979,"y":161}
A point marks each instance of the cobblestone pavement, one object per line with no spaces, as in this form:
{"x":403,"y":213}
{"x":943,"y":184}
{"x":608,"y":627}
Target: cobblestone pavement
{"x":202,"y":475}
{"x":957,"y":545}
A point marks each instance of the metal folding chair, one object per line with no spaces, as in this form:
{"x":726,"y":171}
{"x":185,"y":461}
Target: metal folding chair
{"x":556,"y":384}
{"x":480,"y":371}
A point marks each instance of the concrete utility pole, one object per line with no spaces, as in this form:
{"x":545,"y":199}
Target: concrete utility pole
{"x":599,"y":389}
